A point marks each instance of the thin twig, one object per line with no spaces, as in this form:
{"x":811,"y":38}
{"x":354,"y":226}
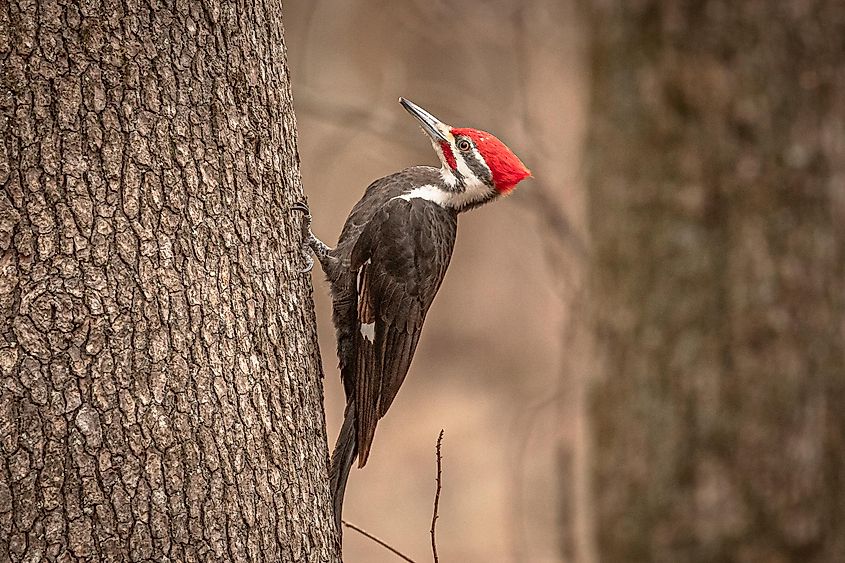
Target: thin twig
{"x":436,"y":499}
{"x":382,"y":543}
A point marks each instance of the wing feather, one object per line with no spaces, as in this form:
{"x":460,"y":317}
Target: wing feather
{"x":403,"y":253}
{"x":365,"y":394}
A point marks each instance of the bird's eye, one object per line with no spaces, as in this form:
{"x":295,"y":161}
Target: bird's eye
{"x":464,"y":145}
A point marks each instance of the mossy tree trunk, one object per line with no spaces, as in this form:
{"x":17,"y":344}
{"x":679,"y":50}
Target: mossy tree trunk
{"x":717,"y":178}
{"x":160,"y":384}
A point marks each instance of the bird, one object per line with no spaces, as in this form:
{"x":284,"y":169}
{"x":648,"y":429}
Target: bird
{"x":388,"y":265}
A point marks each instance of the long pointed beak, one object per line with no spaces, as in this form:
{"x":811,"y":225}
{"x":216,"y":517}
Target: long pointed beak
{"x":433,"y":127}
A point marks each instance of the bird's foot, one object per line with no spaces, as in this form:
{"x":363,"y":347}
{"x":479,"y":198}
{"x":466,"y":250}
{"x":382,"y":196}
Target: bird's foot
{"x":307,"y":235}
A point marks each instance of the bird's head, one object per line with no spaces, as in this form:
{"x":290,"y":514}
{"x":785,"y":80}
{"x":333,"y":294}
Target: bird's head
{"x":473,"y":160}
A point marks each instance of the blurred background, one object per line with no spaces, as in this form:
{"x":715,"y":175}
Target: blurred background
{"x":638,"y":356}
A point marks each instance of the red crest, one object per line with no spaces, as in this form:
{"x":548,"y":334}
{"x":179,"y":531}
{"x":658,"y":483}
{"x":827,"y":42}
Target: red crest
{"x":505,"y":166}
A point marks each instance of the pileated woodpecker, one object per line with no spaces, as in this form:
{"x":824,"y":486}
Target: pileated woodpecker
{"x":388,"y":265}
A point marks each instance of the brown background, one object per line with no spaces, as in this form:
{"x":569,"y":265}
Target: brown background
{"x":704,"y":309}
{"x":490,"y":365}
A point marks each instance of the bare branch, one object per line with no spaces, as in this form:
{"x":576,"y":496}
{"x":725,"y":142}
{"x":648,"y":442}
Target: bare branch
{"x":382,"y":543}
{"x":434,"y":516}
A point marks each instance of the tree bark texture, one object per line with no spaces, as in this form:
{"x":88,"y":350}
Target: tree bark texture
{"x":717,"y":178}
{"x":161,"y":393}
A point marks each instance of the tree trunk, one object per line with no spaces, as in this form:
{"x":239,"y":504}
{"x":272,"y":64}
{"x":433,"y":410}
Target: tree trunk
{"x":717,"y":177}
{"x":161,"y":393}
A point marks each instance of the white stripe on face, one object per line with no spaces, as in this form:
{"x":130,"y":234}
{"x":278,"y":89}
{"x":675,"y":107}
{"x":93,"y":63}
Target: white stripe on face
{"x":475,"y":188}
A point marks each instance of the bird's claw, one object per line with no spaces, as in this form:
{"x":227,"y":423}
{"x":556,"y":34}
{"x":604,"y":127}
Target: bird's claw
{"x":306,"y":234}
{"x":309,"y":262}
{"x":300,"y":206}
{"x":306,"y":219}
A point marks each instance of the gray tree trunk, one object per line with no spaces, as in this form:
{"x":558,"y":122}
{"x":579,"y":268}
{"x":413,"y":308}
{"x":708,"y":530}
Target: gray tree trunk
{"x":717,"y":178}
{"x":161,"y":393}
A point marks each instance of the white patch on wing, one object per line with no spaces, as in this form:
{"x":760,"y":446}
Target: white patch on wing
{"x":361,"y":273}
{"x":367,"y":329}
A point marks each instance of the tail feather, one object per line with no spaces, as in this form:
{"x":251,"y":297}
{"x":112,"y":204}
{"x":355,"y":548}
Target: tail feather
{"x":343,"y":455}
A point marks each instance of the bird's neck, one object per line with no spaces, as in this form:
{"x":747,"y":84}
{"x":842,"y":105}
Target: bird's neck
{"x":459,"y":193}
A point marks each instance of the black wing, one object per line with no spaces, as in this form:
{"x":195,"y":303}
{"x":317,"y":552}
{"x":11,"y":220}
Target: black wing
{"x":401,"y":258}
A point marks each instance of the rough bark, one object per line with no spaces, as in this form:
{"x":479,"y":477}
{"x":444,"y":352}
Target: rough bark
{"x":717,"y":177}
{"x":161,"y":394}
